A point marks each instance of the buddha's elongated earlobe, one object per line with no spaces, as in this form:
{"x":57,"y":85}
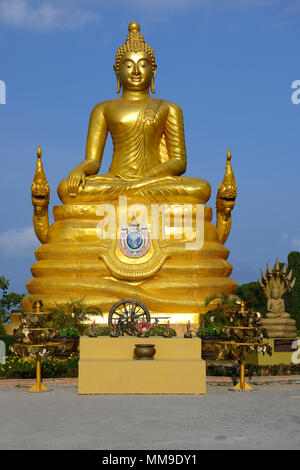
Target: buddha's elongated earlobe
{"x":152,"y":80}
{"x":152,"y":85}
{"x":118,"y":85}
{"x":118,"y":81}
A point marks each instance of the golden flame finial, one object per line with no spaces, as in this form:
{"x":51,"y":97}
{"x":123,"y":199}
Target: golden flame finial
{"x":229,"y":178}
{"x":39,"y":176}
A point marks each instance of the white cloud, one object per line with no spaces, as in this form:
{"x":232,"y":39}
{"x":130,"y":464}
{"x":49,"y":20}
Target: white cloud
{"x":19,"y":242}
{"x":74,"y":14}
{"x":184,"y":4}
{"x":45,"y":16}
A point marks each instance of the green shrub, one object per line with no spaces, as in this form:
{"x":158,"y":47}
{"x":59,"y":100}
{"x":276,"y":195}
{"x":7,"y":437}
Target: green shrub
{"x":221,"y":370}
{"x":72,"y":314}
{"x":158,"y":330}
{"x":272,"y":370}
{"x":2,"y":330}
{"x":215,"y":318}
{"x":212,"y":332}
{"x":69,"y":332}
{"x":101,"y":330}
{"x":24,"y":368}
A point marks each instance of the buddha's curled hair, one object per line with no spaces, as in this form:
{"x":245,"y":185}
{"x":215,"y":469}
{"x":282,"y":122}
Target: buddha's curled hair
{"x":134,"y":43}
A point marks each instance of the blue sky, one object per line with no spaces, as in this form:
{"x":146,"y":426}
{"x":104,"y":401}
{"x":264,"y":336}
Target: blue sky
{"x":229,"y":64}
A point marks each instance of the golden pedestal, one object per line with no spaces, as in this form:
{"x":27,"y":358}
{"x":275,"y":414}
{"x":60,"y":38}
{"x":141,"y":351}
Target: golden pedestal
{"x":276,"y":358}
{"x":38,"y":386}
{"x":170,"y":280}
{"x":107,"y":366}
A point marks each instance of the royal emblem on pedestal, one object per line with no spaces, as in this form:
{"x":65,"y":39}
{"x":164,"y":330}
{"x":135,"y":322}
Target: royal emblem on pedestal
{"x":134,"y":241}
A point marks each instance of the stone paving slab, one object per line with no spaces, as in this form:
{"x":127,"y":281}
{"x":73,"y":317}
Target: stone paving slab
{"x":267,"y":418}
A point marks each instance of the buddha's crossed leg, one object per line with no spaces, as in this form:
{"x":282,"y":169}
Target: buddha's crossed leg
{"x":169,"y":189}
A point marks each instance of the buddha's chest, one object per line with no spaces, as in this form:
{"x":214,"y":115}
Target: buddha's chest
{"x":124,"y":117}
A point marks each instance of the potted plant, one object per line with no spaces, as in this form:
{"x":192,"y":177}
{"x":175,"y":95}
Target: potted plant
{"x":70,"y":318}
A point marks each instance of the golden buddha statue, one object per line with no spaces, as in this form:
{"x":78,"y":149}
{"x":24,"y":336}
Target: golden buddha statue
{"x":148,"y":140}
{"x":148,"y":160}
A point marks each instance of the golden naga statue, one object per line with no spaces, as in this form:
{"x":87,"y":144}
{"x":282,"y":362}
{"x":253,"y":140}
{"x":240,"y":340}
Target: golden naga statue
{"x":149,"y":158}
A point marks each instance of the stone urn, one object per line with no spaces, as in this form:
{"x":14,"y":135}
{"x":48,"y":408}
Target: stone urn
{"x":144,"y":352}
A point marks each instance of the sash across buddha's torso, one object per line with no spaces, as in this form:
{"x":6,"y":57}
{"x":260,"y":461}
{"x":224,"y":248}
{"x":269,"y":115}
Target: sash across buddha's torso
{"x":137,"y":149}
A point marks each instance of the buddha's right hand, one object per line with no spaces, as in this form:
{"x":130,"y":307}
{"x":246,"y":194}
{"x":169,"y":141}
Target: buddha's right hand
{"x":76,"y":177}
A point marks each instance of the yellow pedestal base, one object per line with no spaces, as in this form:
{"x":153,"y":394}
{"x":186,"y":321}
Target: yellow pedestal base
{"x":242,"y":386}
{"x":107,"y":366}
{"x":266,"y":360}
{"x":38,"y":387}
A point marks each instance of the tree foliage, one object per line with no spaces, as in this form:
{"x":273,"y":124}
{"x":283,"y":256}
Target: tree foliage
{"x":292,"y":299}
{"x":254,"y":296}
{"x":9,"y":300}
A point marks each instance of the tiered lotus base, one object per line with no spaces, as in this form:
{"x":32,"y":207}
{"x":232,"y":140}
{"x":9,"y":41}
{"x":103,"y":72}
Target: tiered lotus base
{"x":75,"y":263}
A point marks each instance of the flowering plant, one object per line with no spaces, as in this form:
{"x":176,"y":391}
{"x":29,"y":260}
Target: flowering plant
{"x":143,"y":328}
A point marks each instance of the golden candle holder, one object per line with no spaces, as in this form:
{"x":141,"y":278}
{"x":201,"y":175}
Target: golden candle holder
{"x":36,"y":340}
{"x":245,"y":335}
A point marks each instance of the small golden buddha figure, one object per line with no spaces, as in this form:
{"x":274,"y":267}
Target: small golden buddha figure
{"x":149,"y":159}
{"x":148,"y":140}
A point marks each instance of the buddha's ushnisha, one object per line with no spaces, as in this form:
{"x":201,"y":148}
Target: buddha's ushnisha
{"x":148,"y":140}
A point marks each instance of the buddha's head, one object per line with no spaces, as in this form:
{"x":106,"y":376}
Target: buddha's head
{"x":135,"y":65}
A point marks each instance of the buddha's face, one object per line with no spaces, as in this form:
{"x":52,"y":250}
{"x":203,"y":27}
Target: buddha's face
{"x":136,"y":72}
{"x":275,"y":294}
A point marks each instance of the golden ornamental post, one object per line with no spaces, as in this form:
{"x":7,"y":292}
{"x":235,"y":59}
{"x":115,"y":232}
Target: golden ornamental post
{"x":38,"y":386}
{"x":36,"y":340}
{"x":244,"y":334}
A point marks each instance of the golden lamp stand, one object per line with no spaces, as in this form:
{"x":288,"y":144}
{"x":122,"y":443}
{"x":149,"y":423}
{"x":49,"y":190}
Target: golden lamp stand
{"x":240,"y":354}
{"x":242,"y":385}
{"x":242,"y":338}
{"x":38,"y":386}
{"x":36,"y":350}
